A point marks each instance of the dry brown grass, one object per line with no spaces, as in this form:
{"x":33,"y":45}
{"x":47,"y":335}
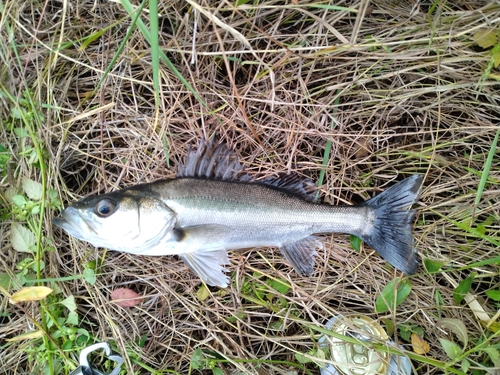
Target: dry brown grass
{"x":396,"y":89}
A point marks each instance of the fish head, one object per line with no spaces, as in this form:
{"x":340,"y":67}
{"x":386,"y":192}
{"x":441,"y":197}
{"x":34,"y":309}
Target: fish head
{"x":128,"y":220}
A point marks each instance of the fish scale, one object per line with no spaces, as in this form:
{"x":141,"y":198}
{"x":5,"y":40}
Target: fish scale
{"x":214,"y":206}
{"x":258,"y":205}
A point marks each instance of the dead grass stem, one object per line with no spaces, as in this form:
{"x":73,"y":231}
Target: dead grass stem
{"x":396,"y":87}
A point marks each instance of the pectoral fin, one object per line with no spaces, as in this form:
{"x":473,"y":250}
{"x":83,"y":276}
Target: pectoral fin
{"x":208,"y":266}
{"x":300,"y":254}
{"x":205,"y":252}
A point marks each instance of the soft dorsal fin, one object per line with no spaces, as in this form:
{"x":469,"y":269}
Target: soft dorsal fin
{"x":212,"y":160}
{"x":294,"y":184}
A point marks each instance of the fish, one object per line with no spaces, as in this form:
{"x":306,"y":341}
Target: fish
{"x":213,"y":205}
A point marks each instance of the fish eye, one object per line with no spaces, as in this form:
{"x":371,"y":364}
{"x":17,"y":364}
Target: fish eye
{"x":104,"y":207}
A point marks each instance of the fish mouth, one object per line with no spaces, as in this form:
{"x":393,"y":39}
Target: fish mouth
{"x":75,"y":224}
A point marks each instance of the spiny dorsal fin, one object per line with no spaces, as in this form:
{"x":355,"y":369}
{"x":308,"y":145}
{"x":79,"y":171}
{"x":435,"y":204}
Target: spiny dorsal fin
{"x":216,"y":161}
{"x":212,"y":160}
{"x":293,"y":183}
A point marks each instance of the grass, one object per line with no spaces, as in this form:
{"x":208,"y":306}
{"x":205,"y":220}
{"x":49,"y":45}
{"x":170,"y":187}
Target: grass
{"x":96,"y":96}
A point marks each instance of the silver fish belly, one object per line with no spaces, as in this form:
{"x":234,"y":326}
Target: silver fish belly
{"x":213,"y":206}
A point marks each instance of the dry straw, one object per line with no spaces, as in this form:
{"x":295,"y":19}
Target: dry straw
{"x":391,"y":88}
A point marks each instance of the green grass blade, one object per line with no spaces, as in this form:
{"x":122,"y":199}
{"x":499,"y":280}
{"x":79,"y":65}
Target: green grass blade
{"x":155,"y":49}
{"x":144,"y":30}
{"x":470,"y":232}
{"x":487,"y":262}
{"x":328,"y":146}
{"x":486,"y":170}
{"x":122,"y":45}
{"x":165,"y":149}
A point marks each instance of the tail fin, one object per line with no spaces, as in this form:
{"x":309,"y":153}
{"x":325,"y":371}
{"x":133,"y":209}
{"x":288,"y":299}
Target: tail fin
{"x":391,"y":234}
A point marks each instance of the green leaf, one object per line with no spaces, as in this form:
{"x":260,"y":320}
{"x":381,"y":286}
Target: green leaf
{"x":241,"y":2}
{"x":493,"y":354}
{"x":22,"y":239}
{"x":202,"y":293}
{"x":301,"y":358}
{"x":4,"y":159}
{"x":457,"y":327}
{"x":40,"y":265}
{"x":485,"y":38}
{"x":217,"y":371}
{"x":69,"y":303}
{"x":19,"y":200}
{"x":405,"y":331}
{"x":355,"y":243}
{"x":418,"y":330}
{"x":493,"y":294}
{"x":33,"y":157}
{"x":316,"y":353}
{"x":89,"y":276}
{"x":278,"y":325}
{"x":10,"y":193}
{"x":91,"y":38}
{"x":83,"y":332}
{"x":72,"y":318}
{"x":235,"y":317}
{"x":451,"y":349}
{"x":5,"y":281}
{"x":433,"y":265}
{"x":389,"y":326}
{"x":393,"y":295}
{"x":465,"y":365}
{"x":197,"y":359}
{"x":166,"y":150}
{"x":68,"y":345}
{"x":82,"y":338}
{"x":319,"y":353}
{"x":33,"y":189}
{"x":279,"y":285}
{"x":496,"y":57}
{"x":20,"y":132}
{"x":492,"y":327}
{"x":141,"y":341}
{"x":490,"y":219}
{"x":52,"y":194}
{"x":462,"y":289}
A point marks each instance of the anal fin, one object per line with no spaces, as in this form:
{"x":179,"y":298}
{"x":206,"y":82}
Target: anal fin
{"x":208,"y":266}
{"x":300,"y":254}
